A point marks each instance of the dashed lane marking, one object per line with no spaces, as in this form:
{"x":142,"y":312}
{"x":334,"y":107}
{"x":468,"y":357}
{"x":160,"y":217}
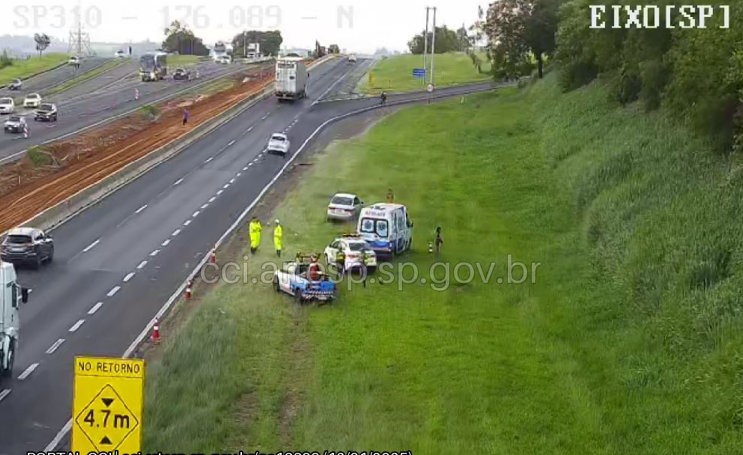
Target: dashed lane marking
{"x":128,"y":276}
{"x":27,"y":372}
{"x":113,"y":291}
{"x":95,"y":308}
{"x":154,"y":253}
{"x":141,"y":208}
{"x":165,"y":243}
{"x":55,"y":346}
{"x":76,"y":325}
{"x":89,"y":247}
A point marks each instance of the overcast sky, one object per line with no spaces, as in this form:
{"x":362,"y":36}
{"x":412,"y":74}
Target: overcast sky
{"x":358,"y":25}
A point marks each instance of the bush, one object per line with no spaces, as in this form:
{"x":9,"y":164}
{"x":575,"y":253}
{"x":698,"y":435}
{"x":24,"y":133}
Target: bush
{"x":39,"y":156}
{"x":150,"y":112}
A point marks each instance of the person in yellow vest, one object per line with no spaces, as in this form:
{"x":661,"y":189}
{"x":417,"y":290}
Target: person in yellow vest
{"x":390,"y":195}
{"x":255,"y":234}
{"x":278,"y":234}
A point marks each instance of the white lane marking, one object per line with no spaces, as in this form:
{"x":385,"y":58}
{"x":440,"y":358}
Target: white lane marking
{"x":89,"y":247}
{"x":212,"y":199}
{"x":204,"y":206}
{"x":27,"y":372}
{"x":176,"y":232}
{"x":95,"y":308}
{"x":239,"y":174}
{"x":264,"y":117}
{"x":249,"y":129}
{"x":76,"y":325}
{"x":210,"y":158}
{"x":141,"y":208}
{"x":256,"y":160}
{"x":187,"y":222}
{"x":220,"y":192}
{"x":128,"y":276}
{"x":154,"y":253}
{"x":195,"y":214}
{"x":55,"y":346}
{"x":165,"y":243}
{"x":226,"y":185}
{"x":245,"y":168}
{"x":232,"y":180}
{"x":231,"y":142}
{"x":4,"y":394}
{"x":178,"y":181}
{"x":113,"y":291}
{"x":177,"y":294}
{"x":141,"y":265}
{"x":250,"y":164}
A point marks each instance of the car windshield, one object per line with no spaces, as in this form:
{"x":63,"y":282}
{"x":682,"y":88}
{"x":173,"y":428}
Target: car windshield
{"x":32,"y":96}
{"x":341,"y":200}
{"x":6,"y":100}
{"x":18,"y":239}
{"x":374,"y":226}
{"x":14,"y":119}
{"x":278,"y":138}
{"x":357,"y":246}
{"x":46,"y":107}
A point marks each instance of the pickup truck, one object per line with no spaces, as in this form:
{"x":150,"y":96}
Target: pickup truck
{"x":294,"y":279}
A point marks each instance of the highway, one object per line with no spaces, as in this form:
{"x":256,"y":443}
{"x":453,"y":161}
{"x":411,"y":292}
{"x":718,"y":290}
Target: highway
{"x":119,"y":261}
{"x":100,"y":98}
{"x":45,"y":81}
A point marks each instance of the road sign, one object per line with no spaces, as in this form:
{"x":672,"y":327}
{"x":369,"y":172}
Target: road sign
{"x":419,"y":73}
{"x":107,"y":405}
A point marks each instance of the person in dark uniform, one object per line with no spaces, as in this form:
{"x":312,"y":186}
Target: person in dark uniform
{"x":439,"y":241}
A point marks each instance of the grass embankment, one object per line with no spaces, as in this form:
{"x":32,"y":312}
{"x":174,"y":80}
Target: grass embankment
{"x":86,"y":76}
{"x":22,"y":69}
{"x":395,"y":74}
{"x":629,"y":340}
{"x":175,"y":61}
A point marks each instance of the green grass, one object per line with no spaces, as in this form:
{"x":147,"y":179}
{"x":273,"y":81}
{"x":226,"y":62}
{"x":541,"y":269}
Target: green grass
{"x":86,"y":76}
{"x":628,"y":341}
{"x":22,"y":69}
{"x":175,"y":61}
{"x":395,"y":74}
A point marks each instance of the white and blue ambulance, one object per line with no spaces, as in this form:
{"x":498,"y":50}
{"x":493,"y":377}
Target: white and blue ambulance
{"x":387,"y":228}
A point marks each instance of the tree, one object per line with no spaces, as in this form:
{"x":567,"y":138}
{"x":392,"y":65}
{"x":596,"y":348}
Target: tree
{"x":42,"y":42}
{"x":463,"y":39}
{"x":334,"y":49}
{"x":446,"y":41}
{"x":269,"y":41}
{"x":178,"y":38}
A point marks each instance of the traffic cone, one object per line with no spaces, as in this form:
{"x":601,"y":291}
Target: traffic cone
{"x":25,"y":132}
{"x":136,"y":93}
{"x":213,"y":256}
{"x":156,"y":332}
{"x":188,"y":289}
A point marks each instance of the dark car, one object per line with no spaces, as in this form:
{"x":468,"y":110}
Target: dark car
{"x":181,"y":74}
{"x":27,"y":245}
{"x":15,"y":85}
{"x":46,"y":112}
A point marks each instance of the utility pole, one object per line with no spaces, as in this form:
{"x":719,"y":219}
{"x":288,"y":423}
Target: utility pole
{"x":433,"y":43}
{"x":245,"y":44}
{"x":425,"y":47}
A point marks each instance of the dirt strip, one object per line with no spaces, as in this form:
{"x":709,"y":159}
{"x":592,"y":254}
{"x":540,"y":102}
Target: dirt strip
{"x":45,"y":177}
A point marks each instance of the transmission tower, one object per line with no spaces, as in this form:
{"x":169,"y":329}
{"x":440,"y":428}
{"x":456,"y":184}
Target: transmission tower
{"x":79,"y":40}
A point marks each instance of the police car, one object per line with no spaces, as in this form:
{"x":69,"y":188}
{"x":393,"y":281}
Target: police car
{"x":350,"y":252}
{"x":294,"y":279}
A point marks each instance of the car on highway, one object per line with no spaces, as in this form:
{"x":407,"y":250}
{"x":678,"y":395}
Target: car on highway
{"x":74,"y":61}
{"x":278,"y":144}
{"x":7,"y":105}
{"x":27,"y":245}
{"x":351,"y":59}
{"x":32,"y":100}
{"x":14,"y":124}
{"x":298,"y":279}
{"x":350,"y":252}
{"x":344,"y":207}
{"x":120,"y":54}
{"x":223,"y":59}
{"x":181,"y":74}
{"x":16,"y":84}
{"x":46,"y":112}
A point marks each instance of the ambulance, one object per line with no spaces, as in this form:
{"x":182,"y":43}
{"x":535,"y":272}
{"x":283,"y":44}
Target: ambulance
{"x":387,"y":228}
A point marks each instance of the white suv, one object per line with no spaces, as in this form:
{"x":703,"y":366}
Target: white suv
{"x":32,"y":100}
{"x":7,"y":105}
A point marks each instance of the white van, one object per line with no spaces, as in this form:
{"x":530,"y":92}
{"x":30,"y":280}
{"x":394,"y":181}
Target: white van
{"x":387,"y":228}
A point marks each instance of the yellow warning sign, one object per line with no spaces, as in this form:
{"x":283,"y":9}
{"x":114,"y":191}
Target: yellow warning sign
{"x":107,"y":405}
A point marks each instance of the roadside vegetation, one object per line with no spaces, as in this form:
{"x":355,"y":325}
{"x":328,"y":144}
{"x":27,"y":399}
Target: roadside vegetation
{"x":626,"y":342}
{"x":395,"y":74}
{"x":21,"y":69}
{"x":175,"y":61}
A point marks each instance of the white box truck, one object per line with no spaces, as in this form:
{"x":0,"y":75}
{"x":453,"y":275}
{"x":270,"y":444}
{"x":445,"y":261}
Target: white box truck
{"x":291,"y":79}
{"x":11,"y":296}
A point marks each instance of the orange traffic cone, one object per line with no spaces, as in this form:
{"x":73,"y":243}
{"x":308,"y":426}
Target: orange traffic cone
{"x":188,"y":289}
{"x":156,"y":332}
{"x":25,"y":132}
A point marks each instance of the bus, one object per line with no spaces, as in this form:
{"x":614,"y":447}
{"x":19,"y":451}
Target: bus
{"x":153,"y":66}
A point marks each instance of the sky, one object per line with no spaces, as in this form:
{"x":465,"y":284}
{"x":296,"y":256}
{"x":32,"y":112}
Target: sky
{"x":360,"y":26}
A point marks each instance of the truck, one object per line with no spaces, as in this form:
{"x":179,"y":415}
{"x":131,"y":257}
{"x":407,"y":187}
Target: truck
{"x":11,"y":296}
{"x":291,"y":79}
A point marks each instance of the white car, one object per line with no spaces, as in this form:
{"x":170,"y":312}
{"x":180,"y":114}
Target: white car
{"x":32,"y":100}
{"x":351,"y":59}
{"x":344,"y":207}
{"x":278,"y":143}
{"x":120,"y":54}
{"x":350,"y":252}
{"x":75,"y":61}
{"x":7,"y":105}
{"x":224,"y":59}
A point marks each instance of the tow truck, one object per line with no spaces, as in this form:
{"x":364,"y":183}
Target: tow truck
{"x":294,"y":278}
{"x":11,"y":296}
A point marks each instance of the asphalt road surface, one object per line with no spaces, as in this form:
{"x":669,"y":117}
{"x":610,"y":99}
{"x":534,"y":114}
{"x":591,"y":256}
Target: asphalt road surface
{"x":44,"y":81}
{"x":116,"y":263}
{"x":98,"y":99}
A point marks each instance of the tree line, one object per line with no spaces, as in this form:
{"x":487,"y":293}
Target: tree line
{"x":179,"y":38}
{"x":695,"y":73}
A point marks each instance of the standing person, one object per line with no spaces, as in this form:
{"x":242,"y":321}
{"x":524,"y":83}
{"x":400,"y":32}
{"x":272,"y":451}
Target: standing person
{"x":390,"y":195}
{"x":314,"y":269}
{"x":255,"y":234}
{"x":185,"y":116}
{"x":278,"y":234}
{"x":439,"y":241}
